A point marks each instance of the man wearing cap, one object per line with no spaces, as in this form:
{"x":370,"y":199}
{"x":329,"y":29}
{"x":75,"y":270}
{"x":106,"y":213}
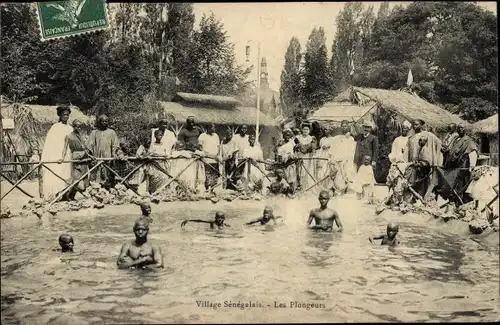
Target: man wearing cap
{"x":366,"y":145}
{"x":344,"y":150}
{"x":399,"y":152}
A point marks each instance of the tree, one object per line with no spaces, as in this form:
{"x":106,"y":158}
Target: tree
{"x":316,"y":89}
{"x":22,"y":50}
{"x":125,"y":22}
{"x":213,"y":68}
{"x":451,"y":48}
{"x":290,"y":89}
{"x":345,"y":45}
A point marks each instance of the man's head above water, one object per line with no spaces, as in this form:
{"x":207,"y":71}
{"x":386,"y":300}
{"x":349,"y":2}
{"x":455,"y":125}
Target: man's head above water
{"x":66,"y":243}
{"x":324,"y":197}
{"x":268,"y":212}
{"x":220,"y":217}
{"x":392,"y":230}
{"x":141,"y":229}
{"x":145,"y":209}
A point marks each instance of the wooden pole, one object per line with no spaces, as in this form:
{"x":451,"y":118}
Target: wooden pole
{"x":12,"y":183}
{"x":65,"y":181}
{"x":16,"y":185}
{"x":173,"y":178}
{"x":63,"y":192}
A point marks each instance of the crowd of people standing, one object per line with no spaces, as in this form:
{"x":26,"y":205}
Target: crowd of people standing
{"x":339,"y":163}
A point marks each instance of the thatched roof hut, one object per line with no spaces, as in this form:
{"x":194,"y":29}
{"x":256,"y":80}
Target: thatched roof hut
{"x":213,"y":109}
{"x":224,"y":112}
{"x":487,"y":131}
{"x":356,"y":102}
{"x":32,"y":122}
{"x":487,"y":126}
{"x":386,"y":110}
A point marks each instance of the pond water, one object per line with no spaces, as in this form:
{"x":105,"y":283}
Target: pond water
{"x":435,"y":275}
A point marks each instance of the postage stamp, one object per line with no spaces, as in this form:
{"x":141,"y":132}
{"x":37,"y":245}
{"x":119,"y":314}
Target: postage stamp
{"x":72,"y":17}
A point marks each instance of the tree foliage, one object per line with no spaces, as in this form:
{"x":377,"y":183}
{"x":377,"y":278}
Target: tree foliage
{"x":213,"y":68}
{"x":291,"y":83}
{"x":114,"y":71}
{"x":316,"y":87}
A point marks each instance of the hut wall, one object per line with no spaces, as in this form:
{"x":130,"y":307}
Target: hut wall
{"x":494,"y":149}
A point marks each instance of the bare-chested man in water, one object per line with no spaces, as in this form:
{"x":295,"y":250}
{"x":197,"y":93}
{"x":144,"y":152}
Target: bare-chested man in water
{"x":267,"y":216}
{"x":218,"y":222}
{"x":139,"y":253}
{"x":390,"y":238}
{"x":323,"y":216}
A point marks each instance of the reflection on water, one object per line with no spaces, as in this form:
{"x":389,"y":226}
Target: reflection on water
{"x":432,"y":276}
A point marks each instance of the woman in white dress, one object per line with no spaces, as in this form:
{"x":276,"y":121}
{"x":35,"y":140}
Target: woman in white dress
{"x":53,"y":151}
{"x":323,"y":167}
{"x":305,"y":148}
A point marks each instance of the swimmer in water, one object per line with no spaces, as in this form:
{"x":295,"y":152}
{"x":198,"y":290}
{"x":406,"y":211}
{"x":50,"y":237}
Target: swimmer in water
{"x":218,"y":222}
{"x":323,"y":216}
{"x":66,"y":243}
{"x":139,"y":253}
{"x":146,"y":211}
{"x":267,"y":216}
{"x":390,"y":238}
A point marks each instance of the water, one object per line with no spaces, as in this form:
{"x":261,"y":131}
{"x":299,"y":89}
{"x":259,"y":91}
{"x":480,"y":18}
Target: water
{"x":435,"y":275}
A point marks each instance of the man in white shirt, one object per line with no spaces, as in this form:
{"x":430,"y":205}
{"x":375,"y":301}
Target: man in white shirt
{"x":241,"y":140}
{"x":210,"y":142}
{"x":210,"y":145}
{"x":253,"y":172}
{"x":169,"y":139}
{"x":399,"y":152}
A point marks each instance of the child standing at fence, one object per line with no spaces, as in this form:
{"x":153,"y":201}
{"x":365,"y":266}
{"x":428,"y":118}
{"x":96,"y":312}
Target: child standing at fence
{"x":35,"y":158}
{"x":365,"y":180}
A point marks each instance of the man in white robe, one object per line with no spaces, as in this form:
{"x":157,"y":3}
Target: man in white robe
{"x":344,"y":147}
{"x":399,"y":162}
{"x":253,"y":173}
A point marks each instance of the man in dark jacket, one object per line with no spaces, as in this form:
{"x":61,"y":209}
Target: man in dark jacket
{"x":366,"y":145}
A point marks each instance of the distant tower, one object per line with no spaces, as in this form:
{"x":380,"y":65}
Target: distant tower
{"x":264,"y":81}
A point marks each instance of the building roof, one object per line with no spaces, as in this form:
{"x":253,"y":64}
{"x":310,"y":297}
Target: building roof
{"x":404,"y":104}
{"x":237,"y":115}
{"x":205,"y":100}
{"x":488,"y":125}
{"x":339,"y":111}
{"x":43,"y":114}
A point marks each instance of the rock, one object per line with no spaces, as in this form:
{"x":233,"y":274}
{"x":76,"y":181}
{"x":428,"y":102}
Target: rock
{"x":214,"y":199}
{"x":52,"y":210}
{"x":98,"y":205}
{"x":5,"y":212}
{"x":477,"y":226}
{"x":380,"y":209}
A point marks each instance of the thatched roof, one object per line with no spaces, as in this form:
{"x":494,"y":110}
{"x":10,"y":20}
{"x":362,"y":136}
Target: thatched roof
{"x":32,"y":123}
{"x":402,"y":103}
{"x":488,"y":126}
{"x":237,"y":115}
{"x":43,"y":114}
{"x":205,"y":100}
{"x":339,"y":111}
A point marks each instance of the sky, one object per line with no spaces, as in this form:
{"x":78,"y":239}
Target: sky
{"x":273,"y":24}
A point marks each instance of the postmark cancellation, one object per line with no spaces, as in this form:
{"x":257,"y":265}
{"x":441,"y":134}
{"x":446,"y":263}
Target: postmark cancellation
{"x":60,"y":19}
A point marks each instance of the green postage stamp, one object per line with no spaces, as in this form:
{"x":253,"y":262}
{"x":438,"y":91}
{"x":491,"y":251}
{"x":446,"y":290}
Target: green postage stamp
{"x":71,"y":17}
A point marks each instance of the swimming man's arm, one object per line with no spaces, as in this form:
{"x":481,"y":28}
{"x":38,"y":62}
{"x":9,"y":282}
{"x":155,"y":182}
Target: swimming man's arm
{"x":157,"y":256}
{"x":337,"y":222}
{"x":124,"y":261}
{"x":371,"y":239}
{"x":253,"y":221}
{"x":311,"y":217}
{"x":194,"y":220}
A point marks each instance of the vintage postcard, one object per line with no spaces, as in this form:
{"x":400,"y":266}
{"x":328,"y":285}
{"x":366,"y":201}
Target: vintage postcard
{"x":289,"y":162}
